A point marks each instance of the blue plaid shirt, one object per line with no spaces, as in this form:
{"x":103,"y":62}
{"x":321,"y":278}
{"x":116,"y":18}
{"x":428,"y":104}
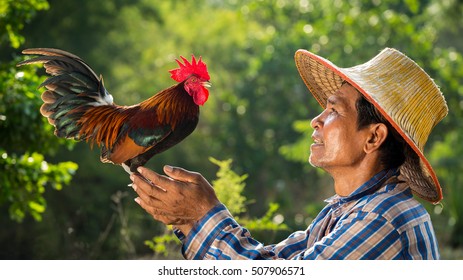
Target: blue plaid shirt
{"x":379,"y":220}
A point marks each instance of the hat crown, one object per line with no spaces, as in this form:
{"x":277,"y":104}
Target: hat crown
{"x":403,"y":91}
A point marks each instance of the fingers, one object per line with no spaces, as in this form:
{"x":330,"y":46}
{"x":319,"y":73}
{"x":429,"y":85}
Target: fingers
{"x":181,"y":174}
{"x":149,"y":194}
{"x":148,"y":198}
{"x":154,"y":197}
{"x":154,"y":178}
{"x":148,"y":207}
{"x":156,"y":213}
{"x":148,"y":186}
{"x":175,"y":173}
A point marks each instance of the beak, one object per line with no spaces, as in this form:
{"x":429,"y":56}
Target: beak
{"x":206,"y":84}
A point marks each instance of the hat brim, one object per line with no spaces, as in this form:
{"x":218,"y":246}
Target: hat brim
{"x":323,"y":79}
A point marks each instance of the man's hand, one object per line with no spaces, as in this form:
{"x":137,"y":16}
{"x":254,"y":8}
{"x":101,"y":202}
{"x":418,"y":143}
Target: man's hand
{"x":181,"y":198}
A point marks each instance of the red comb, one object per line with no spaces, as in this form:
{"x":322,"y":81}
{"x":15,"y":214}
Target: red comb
{"x":186,"y":69}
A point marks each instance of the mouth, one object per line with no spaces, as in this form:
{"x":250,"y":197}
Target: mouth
{"x":317,"y":141}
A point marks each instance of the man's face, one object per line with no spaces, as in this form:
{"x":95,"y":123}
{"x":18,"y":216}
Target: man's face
{"x":338,"y":144}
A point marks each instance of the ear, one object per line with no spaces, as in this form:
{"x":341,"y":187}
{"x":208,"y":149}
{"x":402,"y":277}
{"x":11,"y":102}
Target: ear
{"x":377,"y":134}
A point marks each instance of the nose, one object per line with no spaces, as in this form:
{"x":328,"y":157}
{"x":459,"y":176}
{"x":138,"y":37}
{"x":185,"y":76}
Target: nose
{"x":317,"y":122}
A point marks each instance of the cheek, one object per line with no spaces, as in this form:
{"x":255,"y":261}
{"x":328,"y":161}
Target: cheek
{"x":335,"y":144}
{"x":333,"y":134}
{"x":340,"y":141}
{"x":344,"y":145}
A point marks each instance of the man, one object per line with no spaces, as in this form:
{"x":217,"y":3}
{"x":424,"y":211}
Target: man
{"x":370,"y":136}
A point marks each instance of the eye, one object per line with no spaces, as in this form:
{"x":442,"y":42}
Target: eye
{"x":193,"y":79}
{"x":331,"y":110}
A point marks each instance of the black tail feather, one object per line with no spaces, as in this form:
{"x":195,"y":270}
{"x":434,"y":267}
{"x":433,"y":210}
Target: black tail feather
{"x":72,"y":89}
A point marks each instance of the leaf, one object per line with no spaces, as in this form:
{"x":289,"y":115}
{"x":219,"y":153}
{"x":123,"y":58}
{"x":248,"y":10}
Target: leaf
{"x":36,"y":207}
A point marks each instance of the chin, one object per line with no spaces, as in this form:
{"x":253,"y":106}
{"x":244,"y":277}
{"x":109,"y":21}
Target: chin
{"x":312,"y":162}
{"x":316,"y":163}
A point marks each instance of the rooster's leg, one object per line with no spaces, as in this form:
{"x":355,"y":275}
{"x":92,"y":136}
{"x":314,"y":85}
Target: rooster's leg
{"x":128,"y":170}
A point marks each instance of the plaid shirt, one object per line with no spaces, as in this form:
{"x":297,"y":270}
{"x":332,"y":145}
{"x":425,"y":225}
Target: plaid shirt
{"x":379,"y":220}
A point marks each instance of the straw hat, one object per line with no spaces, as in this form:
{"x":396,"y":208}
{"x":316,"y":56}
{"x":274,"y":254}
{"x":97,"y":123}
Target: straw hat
{"x":401,"y":91}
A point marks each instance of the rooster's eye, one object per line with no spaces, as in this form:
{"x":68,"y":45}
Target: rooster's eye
{"x":193,"y":79}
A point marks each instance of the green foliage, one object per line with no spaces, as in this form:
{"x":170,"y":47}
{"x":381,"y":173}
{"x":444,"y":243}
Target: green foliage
{"x":160,"y":244}
{"x":446,"y":156}
{"x":24,"y":180}
{"x":229,"y":186}
{"x":269,"y":222}
{"x":23,"y":127}
{"x":298,"y":151}
{"x":14,"y":14}
{"x":26,"y":135}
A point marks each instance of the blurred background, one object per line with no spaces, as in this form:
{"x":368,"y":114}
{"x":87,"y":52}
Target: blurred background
{"x":58,"y":201}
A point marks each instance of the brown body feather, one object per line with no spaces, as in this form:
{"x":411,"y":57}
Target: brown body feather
{"x":103,"y":125}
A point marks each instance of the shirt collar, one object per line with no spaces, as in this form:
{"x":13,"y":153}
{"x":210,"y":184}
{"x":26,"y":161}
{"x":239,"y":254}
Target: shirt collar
{"x":368,"y":187}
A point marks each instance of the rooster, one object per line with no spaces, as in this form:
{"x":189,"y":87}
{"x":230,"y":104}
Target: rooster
{"x":78,"y":105}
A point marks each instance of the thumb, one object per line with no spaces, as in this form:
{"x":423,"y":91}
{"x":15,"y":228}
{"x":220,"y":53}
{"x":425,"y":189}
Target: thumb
{"x":181,"y":174}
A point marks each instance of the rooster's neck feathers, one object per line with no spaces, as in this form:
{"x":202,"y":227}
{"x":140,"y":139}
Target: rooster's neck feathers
{"x":173,"y":99}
